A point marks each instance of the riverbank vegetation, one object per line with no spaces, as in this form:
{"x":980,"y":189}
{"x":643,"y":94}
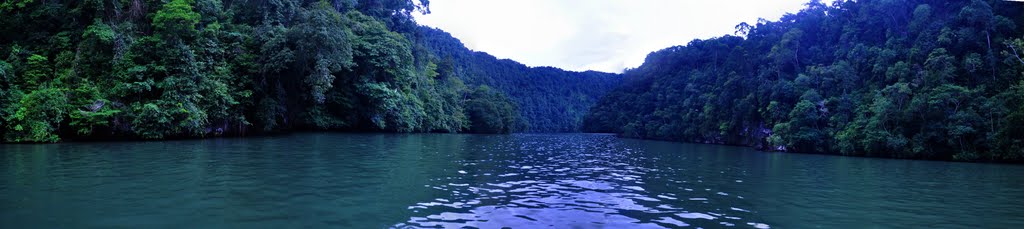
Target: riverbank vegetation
{"x":156,"y":69}
{"x":905,"y":79}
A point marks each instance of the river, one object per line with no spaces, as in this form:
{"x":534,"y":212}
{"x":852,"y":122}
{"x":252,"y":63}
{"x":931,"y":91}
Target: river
{"x":320,"y":180}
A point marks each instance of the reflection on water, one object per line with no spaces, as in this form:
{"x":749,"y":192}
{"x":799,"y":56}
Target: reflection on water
{"x":487,"y":181}
{"x":571,"y":181}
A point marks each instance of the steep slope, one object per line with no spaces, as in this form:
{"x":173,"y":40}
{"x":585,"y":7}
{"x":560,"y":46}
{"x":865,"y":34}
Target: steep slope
{"x":550,"y":99}
{"x":157,"y":69}
{"x":907,"y":79}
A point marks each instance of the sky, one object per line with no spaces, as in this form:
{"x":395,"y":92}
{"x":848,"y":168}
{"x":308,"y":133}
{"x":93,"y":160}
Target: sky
{"x":600,"y":35}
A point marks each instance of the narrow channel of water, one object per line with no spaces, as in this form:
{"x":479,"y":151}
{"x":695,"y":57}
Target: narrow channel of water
{"x":487,"y":181}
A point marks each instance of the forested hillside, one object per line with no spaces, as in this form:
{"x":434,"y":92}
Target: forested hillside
{"x":550,"y":99}
{"x":157,"y":69}
{"x":907,"y":79}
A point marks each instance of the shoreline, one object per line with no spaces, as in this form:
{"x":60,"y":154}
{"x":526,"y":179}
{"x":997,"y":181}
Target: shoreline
{"x":287,"y":133}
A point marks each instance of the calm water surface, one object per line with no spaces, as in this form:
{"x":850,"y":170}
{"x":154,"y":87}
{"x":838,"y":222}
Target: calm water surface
{"x":518,"y":181}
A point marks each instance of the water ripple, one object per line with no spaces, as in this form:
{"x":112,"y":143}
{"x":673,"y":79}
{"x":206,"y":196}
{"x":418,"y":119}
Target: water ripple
{"x":487,"y":181}
{"x":559,"y":182}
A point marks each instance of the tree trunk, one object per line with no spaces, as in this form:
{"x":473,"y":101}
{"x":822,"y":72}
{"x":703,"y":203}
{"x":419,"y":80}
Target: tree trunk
{"x":991,"y":57}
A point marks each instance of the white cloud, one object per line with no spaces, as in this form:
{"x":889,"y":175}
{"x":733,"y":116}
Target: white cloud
{"x":602,"y":35}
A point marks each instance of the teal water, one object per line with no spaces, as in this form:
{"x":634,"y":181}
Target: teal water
{"x":487,"y":181}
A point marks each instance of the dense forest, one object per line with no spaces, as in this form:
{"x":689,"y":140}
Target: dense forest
{"x":928,"y":79}
{"x":550,"y":99}
{"x":155,"y":69}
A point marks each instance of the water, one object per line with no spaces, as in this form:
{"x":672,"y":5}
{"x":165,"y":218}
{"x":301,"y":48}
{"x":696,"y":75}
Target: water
{"x":487,"y":181}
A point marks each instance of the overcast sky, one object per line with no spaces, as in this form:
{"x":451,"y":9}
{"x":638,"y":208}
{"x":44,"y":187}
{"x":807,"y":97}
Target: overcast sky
{"x":602,"y":35}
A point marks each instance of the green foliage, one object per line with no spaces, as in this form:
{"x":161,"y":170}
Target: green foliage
{"x":392,"y":109}
{"x":491,"y":112}
{"x":931,"y":79}
{"x":10,"y":5}
{"x":444,"y":107}
{"x":322,"y":42}
{"x":6,"y":74}
{"x":88,"y":111}
{"x":38,"y":72}
{"x":176,"y":18}
{"x":7,"y":95}
{"x":37,"y":117}
{"x":803,"y":130}
{"x":200,"y":68}
{"x":1010,"y":137}
{"x":549,"y":99}
{"x":100,"y":32}
{"x":151,"y":121}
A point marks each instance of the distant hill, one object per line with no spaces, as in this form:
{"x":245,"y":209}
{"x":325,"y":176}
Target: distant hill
{"x":550,"y":99}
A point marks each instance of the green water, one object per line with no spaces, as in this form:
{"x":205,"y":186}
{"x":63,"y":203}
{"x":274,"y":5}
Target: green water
{"x":487,"y":181}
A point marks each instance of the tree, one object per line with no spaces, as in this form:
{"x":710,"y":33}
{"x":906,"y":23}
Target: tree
{"x":38,"y":73}
{"x":323,"y":48}
{"x":10,"y":5}
{"x":202,"y":68}
{"x":176,"y":19}
{"x":907,"y":79}
{"x":37,"y":117}
{"x":491,"y":112}
{"x":803,"y":130}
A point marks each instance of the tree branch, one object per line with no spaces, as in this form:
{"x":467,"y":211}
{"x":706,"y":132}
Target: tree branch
{"x":1015,"y":52}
